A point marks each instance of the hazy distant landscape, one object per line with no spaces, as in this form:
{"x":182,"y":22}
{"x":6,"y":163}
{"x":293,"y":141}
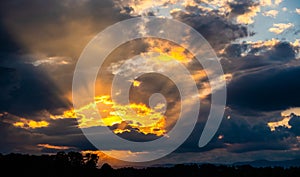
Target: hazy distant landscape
{"x":74,"y":164}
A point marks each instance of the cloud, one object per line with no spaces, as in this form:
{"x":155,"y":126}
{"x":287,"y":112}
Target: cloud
{"x":288,"y":112}
{"x":9,"y":80}
{"x":247,"y":17}
{"x":7,"y":43}
{"x":208,"y":25}
{"x":279,"y":28}
{"x":284,"y":9}
{"x":270,"y":2}
{"x":271,"y":13}
{"x":297,"y":11}
{"x":59,"y":133}
{"x":52,"y":51}
{"x":244,"y":132}
{"x":126,"y":131}
{"x":275,"y":89}
{"x":28,"y":89}
{"x":295,"y":123}
{"x":31,"y":124}
{"x":121,"y":118}
{"x":136,"y":8}
{"x":79,"y":21}
{"x":248,"y":57}
{"x":278,"y":2}
{"x":52,"y":61}
{"x":265,"y":49}
{"x":49,"y":146}
{"x":244,"y":10}
{"x":282,"y":123}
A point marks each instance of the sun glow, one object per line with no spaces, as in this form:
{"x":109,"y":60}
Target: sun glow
{"x":137,"y":116}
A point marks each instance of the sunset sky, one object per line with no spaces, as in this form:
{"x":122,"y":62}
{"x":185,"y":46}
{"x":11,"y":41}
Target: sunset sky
{"x":257,"y":42}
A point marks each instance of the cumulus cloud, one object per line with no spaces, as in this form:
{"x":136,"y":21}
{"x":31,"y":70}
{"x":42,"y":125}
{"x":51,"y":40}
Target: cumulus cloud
{"x":271,"y":13}
{"x":297,"y":11}
{"x":279,"y":28}
{"x":284,"y":9}
{"x":270,"y":2}
{"x":247,"y":17}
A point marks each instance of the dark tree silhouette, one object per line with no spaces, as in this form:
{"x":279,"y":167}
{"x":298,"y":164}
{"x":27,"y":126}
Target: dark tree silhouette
{"x":91,"y":160}
{"x":74,"y":164}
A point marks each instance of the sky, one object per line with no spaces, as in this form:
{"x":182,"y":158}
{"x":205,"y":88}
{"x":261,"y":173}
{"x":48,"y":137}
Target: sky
{"x":256,"y":41}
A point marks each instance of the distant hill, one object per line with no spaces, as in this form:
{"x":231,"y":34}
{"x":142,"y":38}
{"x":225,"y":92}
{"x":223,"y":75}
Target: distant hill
{"x":256,"y":163}
{"x":266,"y":163}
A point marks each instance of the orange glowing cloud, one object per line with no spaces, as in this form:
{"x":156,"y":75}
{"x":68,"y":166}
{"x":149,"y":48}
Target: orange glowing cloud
{"x":30,"y":124}
{"x":282,"y":123}
{"x":138,"y":116}
{"x":48,"y":146}
{"x":247,"y":18}
{"x":170,"y":50}
{"x":66,"y":114}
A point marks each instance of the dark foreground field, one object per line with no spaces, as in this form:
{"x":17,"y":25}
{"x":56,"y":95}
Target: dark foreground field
{"x":74,"y":164}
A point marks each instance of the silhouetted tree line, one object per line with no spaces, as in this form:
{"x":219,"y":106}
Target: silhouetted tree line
{"x":74,"y":164}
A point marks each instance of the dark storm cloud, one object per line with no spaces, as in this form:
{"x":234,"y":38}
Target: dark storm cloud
{"x":240,"y":7}
{"x":7,"y":44}
{"x":62,"y":29}
{"x":28,"y":89}
{"x":295,"y":123}
{"x":191,"y":144}
{"x":271,"y":89}
{"x":60,"y":132}
{"x":264,"y":79}
{"x":242,"y":136}
{"x":218,"y":31}
{"x":256,"y":57}
{"x":13,"y":139}
{"x":9,"y":82}
{"x":264,"y":83}
{"x":283,"y":52}
{"x":61,"y":127}
{"x":238,"y":136}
